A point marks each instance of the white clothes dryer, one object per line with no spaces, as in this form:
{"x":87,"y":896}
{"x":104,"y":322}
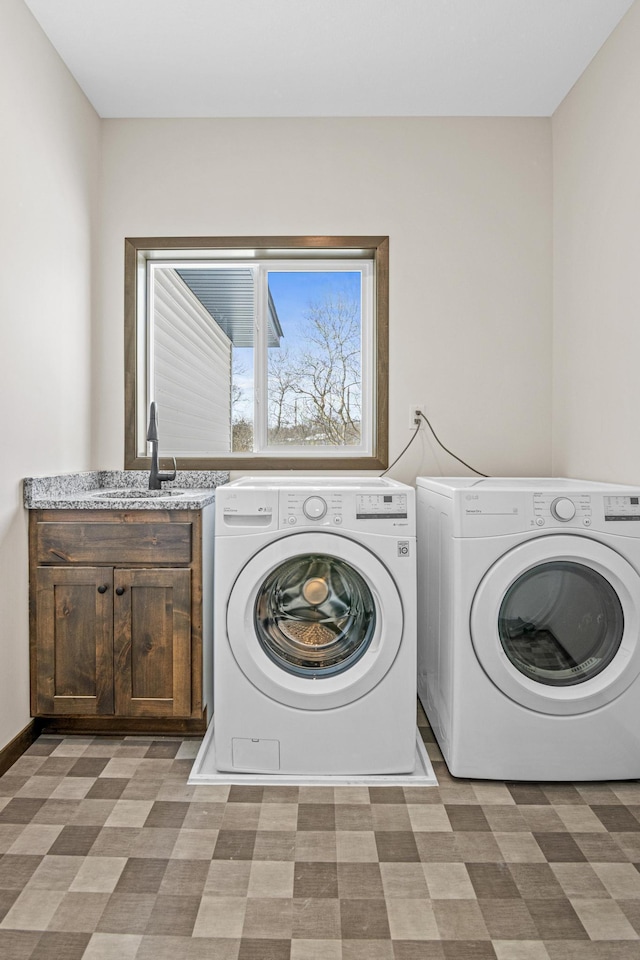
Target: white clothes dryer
{"x":315,"y":626}
{"x":528,"y":626}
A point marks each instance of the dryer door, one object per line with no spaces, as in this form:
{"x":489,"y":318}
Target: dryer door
{"x":554,"y":624}
{"x":314,"y":620}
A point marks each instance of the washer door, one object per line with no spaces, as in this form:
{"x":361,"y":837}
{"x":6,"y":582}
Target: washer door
{"x":554,"y":624}
{"x":314,"y":620}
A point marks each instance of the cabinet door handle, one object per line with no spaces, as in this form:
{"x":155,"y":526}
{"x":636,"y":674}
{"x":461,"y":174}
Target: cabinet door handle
{"x":119,"y":591}
{"x":102,"y":588}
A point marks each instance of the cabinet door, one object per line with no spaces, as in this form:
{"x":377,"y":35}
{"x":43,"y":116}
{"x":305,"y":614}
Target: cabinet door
{"x":152,"y":642}
{"x":74,"y":643}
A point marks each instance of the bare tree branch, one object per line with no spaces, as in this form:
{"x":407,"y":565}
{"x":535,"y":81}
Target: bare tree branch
{"x":315,"y":393}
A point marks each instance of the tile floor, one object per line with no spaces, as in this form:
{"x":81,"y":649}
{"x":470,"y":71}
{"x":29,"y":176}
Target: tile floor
{"x":107,"y":854}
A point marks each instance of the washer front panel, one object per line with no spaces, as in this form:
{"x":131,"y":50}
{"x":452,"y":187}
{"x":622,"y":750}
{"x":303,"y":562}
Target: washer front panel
{"x":554,"y":624}
{"x":314,"y":620}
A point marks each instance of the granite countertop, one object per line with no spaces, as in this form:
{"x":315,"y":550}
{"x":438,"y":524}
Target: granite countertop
{"x":105,"y":490}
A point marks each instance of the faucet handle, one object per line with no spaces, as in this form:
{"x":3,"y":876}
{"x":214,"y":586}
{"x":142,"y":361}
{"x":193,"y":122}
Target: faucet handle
{"x":166,"y":475}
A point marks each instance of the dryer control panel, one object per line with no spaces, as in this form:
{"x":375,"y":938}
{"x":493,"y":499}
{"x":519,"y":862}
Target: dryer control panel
{"x":487,"y":514}
{"x":549,"y":507}
{"x":583,"y":509}
{"x":499,"y":506}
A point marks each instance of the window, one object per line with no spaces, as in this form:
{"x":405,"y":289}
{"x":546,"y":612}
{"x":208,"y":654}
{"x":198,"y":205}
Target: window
{"x":261,"y":353}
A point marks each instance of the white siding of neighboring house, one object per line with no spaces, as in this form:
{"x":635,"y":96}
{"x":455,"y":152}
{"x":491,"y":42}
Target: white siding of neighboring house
{"x":191,"y":372}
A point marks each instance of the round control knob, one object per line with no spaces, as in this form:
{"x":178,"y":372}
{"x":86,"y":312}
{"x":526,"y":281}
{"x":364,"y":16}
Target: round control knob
{"x":563,"y":509}
{"x":314,"y":508}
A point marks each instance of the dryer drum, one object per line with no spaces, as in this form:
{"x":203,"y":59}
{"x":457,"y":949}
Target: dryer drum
{"x":314,"y":615}
{"x":561,"y":623}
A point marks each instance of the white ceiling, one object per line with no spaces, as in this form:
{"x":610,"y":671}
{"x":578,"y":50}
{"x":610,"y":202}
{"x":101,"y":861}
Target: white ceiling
{"x":291,"y":58}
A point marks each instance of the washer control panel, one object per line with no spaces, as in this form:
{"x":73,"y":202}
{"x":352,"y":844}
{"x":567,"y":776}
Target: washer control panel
{"x":381,"y":506}
{"x":335,"y":508}
{"x":301,"y":508}
{"x":622,"y":508}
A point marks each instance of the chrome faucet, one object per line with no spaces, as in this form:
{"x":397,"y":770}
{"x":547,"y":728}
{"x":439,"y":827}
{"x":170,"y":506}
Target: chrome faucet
{"x":156,"y":477}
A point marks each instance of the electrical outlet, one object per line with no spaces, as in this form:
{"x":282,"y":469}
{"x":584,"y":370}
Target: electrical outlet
{"x":415,"y":419}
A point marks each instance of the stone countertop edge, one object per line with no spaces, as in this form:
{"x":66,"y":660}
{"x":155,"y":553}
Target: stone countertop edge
{"x":75,"y":491}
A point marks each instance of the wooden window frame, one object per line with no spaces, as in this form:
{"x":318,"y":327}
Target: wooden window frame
{"x":377,"y":248}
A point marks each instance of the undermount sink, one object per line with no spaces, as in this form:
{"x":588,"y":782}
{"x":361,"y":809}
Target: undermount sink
{"x":136,"y":494}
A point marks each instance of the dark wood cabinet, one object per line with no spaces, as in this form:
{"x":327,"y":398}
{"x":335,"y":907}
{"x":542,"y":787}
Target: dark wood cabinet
{"x":152,"y":643}
{"x":74,"y":640}
{"x":117,"y":619}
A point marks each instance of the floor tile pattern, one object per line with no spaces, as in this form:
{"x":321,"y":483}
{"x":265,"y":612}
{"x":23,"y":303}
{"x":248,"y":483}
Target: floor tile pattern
{"x":107,"y":854}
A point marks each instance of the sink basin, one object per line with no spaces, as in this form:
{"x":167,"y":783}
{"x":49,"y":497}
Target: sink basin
{"x":136,"y":494}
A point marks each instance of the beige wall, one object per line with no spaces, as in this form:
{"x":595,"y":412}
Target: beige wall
{"x":596,"y":157}
{"x":49,"y":163}
{"x":466,"y":203}
{"x":467,"y":206}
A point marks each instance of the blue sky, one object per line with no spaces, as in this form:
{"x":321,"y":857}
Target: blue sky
{"x":293,"y":291}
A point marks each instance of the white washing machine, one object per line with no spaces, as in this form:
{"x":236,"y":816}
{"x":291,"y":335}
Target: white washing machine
{"x":315,"y":626}
{"x":528,"y":621}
